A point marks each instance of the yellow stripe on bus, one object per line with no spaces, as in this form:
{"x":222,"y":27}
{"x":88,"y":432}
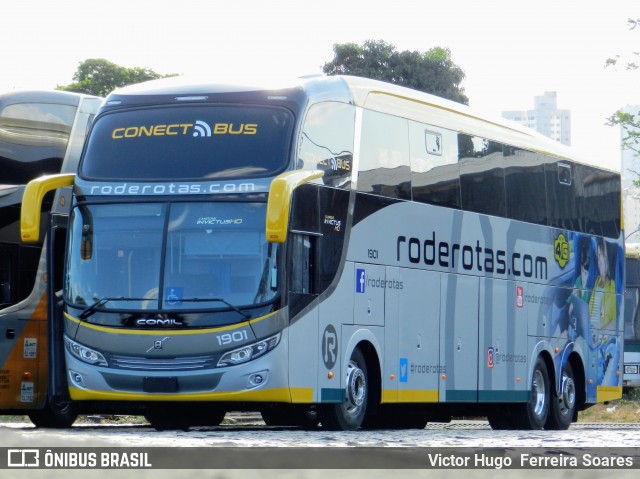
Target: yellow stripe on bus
{"x":407,"y":396}
{"x":154,"y":332}
{"x":261,"y":395}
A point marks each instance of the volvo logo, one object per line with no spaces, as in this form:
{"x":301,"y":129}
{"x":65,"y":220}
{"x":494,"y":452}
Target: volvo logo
{"x":158,"y":344}
{"x":158,"y":322}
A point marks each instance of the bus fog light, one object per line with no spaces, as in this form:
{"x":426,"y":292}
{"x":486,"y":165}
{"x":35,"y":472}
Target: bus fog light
{"x":249,"y":352}
{"x":76,"y":378}
{"x":257,"y":379}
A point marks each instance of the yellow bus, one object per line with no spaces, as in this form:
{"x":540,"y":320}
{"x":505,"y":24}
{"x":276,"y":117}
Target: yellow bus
{"x":335,"y":250}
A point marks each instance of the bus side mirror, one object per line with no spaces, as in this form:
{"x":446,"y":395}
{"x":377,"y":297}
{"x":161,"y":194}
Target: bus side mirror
{"x":32,"y":203}
{"x":279,"y":202}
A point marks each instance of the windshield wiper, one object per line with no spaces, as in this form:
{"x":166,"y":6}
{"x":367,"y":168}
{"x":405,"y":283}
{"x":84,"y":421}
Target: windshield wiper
{"x":102,"y":301}
{"x":220,"y":300}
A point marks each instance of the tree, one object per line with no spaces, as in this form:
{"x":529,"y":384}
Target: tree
{"x":97,"y":76}
{"x":432,"y":71}
{"x":629,"y":122}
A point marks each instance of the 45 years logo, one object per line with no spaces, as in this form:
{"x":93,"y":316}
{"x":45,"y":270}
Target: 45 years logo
{"x":561,"y":250}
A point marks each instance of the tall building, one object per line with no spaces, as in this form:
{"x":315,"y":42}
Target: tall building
{"x":630,"y":172}
{"x":545,"y":118}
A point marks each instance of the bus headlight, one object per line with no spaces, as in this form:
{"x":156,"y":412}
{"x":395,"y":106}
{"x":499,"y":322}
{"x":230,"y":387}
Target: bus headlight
{"x":84,"y":353}
{"x":249,"y":352}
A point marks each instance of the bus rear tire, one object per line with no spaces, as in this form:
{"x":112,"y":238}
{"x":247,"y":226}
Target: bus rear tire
{"x":563,"y":405}
{"x":535,"y":413}
{"x":349,"y":414}
{"x":57,"y":414}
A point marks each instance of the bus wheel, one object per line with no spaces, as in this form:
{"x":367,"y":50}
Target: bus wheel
{"x":501,"y":420}
{"x":348,"y":415}
{"x":57,"y":414}
{"x":563,"y":406}
{"x":163,"y":418}
{"x":536,"y":411}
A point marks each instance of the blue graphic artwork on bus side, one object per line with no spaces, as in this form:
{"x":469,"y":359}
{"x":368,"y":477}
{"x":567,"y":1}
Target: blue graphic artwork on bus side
{"x":360,"y":280}
{"x":404,"y":370}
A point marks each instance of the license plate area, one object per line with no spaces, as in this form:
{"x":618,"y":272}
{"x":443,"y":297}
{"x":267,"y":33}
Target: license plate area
{"x":160,"y":384}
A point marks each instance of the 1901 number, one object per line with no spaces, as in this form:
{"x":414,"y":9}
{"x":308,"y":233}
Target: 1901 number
{"x":235,"y":337}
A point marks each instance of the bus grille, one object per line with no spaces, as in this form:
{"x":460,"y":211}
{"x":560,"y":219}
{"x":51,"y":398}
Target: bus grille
{"x":163,"y":364}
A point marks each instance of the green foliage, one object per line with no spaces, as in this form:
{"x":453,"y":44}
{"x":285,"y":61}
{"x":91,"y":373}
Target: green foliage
{"x":97,"y":76}
{"x":629,"y":122}
{"x":431,"y":72}
{"x":631,"y":61}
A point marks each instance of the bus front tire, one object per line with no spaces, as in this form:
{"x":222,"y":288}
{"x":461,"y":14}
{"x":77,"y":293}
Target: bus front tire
{"x":55,"y":414}
{"x":563,"y":405}
{"x":349,"y":414}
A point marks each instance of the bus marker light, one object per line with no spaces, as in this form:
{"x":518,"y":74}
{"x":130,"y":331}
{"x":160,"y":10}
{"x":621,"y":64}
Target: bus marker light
{"x":557,"y":350}
{"x":330,"y":375}
{"x":26,"y":375}
{"x":590,"y":381}
{"x":444,"y":376}
{"x":393,"y":376}
{"x":518,"y":380}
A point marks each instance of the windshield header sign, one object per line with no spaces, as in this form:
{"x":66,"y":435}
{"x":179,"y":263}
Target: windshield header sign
{"x":198,"y":129}
{"x":173,"y":188}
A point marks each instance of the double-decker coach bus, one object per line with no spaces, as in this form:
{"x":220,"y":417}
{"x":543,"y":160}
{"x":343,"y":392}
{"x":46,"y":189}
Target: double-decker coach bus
{"x":339,"y":251}
{"x":631,"y":376}
{"x":39,"y":130}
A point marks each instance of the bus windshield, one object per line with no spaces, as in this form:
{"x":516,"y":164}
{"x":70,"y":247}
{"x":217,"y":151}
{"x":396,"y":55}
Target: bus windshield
{"x":200,"y":256}
{"x":189,"y":143}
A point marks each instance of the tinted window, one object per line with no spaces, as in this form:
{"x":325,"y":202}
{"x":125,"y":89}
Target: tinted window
{"x":481,"y":175}
{"x":384,"y":156}
{"x":187,"y":143}
{"x":326,"y":142}
{"x":33,"y":139}
{"x":525,"y":187}
{"x":434,"y":165}
{"x":562,"y":207}
{"x":601,"y":201}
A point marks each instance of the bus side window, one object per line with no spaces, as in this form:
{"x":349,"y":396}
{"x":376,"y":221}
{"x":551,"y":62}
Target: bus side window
{"x":302,"y":264}
{"x":481,"y":164}
{"x":384,"y":156}
{"x":326,"y":143}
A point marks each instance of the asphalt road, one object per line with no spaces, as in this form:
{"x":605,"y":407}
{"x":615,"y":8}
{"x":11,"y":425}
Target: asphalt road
{"x":249,"y":434}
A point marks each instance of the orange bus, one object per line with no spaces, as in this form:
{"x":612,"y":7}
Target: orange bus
{"x":41,"y":132}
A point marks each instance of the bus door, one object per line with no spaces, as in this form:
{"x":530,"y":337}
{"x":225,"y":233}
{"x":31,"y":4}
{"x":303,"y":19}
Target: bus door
{"x":459,"y":338}
{"x":412,"y":352}
{"x":503,"y":349}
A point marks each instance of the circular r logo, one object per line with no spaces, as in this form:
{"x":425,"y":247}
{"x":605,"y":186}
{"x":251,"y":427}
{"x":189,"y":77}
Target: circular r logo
{"x":329,"y":346}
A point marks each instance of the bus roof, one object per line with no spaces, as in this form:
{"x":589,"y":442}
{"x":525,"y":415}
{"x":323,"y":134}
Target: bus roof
{"x":42,"y":96}
{"x":362,"y":92}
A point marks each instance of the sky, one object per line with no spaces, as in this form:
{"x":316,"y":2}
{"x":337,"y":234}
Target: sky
{"x":510,"y":50}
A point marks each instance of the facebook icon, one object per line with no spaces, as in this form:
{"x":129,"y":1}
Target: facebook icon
{"x":360,"y":275}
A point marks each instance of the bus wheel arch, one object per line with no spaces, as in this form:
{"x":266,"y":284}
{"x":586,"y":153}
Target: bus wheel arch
{"x":362,"y":381}
{"x":569,"y":394}
{"x":60,"y":413}
{"x":535,"y":412}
